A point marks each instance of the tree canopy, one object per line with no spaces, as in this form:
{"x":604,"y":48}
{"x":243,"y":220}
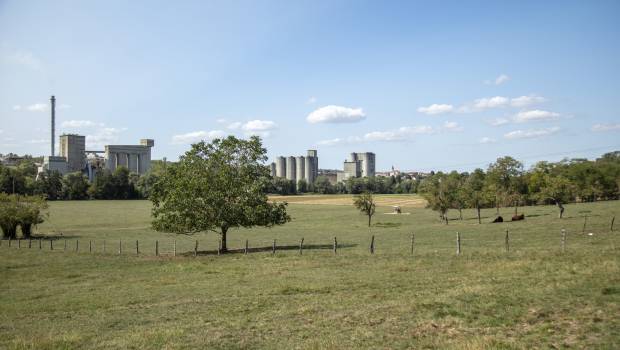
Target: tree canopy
{"x":214,"y":187}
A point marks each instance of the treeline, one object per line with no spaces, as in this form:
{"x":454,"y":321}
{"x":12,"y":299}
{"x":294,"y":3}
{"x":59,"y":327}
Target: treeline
{"x":118,"y":184}
{"x":322,"y":185}
{"x":506,"y":184}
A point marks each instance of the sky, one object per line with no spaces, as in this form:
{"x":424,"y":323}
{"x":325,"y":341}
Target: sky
{"x":425,"y":85}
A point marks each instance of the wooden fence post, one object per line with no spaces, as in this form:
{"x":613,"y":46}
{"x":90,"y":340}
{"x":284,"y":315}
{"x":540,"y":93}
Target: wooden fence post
{"x":175,"y":248}
{"x":19,"y":243}
{"x":301,"y":246}
{"x":137,"y":248}
{"x":51,"y":244}
{"x":612,"y":224}
{"x":563,"y":240}
{"x":39,"y":243}
{"x":196,"y":249}
{"x":65,"y":245}
{"x":585,"y":220}
{"x":335,"y":246}
{"x":412,"y":240}
{"x":273,"y":248}
{"x":104,"y":246}
{"x":156,"y":248}
{"x":247,"y":244}
{"x":90,"y":246}
{"x":77,"y":245}
{"x":458,"y":243}
{"x":507,"y":242}
{"x":372,"y":244}
{"x":120,"y":247}
{"x":29,"y":243}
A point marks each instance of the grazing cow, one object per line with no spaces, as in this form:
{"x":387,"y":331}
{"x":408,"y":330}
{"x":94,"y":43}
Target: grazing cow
{"x":518,"y":217}
{"x":498,"y":219}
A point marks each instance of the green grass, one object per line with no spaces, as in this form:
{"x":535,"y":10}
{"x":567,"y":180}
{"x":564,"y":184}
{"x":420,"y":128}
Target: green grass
{"x":533,"y":297}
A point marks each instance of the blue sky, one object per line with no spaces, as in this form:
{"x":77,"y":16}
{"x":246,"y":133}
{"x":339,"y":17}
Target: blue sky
{"x":424,"y":84}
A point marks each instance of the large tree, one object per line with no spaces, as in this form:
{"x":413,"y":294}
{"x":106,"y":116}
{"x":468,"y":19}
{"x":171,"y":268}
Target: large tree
{"x":215,"y":187}
{"x":505,"y":175}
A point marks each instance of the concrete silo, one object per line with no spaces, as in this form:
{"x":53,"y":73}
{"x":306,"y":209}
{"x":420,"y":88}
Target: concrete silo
{"x":291,"y":168}
{"x":300,"y":170}
{"x":281,"y":167}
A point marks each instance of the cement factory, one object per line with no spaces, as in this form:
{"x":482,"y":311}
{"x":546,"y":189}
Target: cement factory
{"x":75,"y":158}
{"x":307,"y":168}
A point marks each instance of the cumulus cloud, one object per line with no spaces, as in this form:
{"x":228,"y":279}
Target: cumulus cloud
{"x":234,"y":126}
{"x":436,"y":109}
{"x":196,"y":136}
{"x":486,"y":103}
{"x":535,"y":115}
{"x":24,"y":58}
{"x":502,"y":78}
{"x":336,"y":114}
{"x":606,"y":127}
{"x":451,"y":126}
{"x":401,"y":134}
{"x":259,"y":127}
{"x":485,"y":140}
{"x":37,"y":107}
{"x":77,"y":124}
{"x":499,"y":121}
{"x":532,"y":133}
{"x":103,"y":136}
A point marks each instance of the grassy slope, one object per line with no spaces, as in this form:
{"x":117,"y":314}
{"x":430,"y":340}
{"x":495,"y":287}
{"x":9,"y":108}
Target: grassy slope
{"x":533,"y":297}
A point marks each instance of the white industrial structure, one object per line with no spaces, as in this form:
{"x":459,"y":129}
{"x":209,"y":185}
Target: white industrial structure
{"x":357,"y":165}
{"x":297,"y":168}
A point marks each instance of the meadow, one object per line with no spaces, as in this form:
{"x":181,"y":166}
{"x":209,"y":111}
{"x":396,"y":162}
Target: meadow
{"x":534,"y":296}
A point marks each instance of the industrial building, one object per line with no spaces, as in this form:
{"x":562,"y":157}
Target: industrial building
{"x":357,"y":165}
{"x":74,"y":157}
{"x":297,"y":168}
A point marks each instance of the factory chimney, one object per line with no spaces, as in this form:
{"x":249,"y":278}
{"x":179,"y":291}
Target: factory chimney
{"x":53,"y":100}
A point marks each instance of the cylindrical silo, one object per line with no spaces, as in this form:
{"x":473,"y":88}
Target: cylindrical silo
{"x":281,"y":167}
{"x":309,"y":170}
{"x":291,"y":168}
{"x":272,"y":169}
{"x":301,"y":168}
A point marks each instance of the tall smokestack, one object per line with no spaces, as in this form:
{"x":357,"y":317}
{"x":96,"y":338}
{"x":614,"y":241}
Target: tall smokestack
{"x":53,"y":100}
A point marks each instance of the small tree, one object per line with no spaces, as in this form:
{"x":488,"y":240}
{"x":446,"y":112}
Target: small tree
{"x":31,"y":212}
{"x":366,"y":204}
{"x":557,"y":189}
{"x":214,"y":187}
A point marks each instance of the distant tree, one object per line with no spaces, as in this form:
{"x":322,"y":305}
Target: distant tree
{"x":505,"y":175}
{"x":323,"y":186}
{"x":75,"y":186}
{"x":437,"y":193}
{"x":366,"y":204}
{"x":9,"y":215}
{"x":557,"y":189}
{"x":49,"y":185}
{"x":302,"y":186}
{"x":215,"y":187}
{"x":474,"y":193}
{"x":31,"y":212}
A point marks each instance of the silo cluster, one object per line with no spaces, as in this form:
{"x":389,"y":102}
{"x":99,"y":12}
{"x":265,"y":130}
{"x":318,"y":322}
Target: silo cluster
{"x":297,"y":168}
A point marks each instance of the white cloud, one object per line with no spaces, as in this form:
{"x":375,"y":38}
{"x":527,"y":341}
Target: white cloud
{"x":401,"y":134}
{"x":311,"y":100}
{"x":76,"y":124}
{"x":336,"y":114}
{"x":196,"y":136}
{"x":436,"y":109}
{"x":17,"y":108}
{"x":491,"y":102}
{"x":234,"y":126}
{"x":524,"y":101}
{"x":451,"y":126}
{"x":485,"y":103}
{"x":39,"y":141}
{"x":502,"y":78}
{"x":499,"y":121}
{"x":259,"y":125}
{"x":485,"y":140}
{"x":535,"y":115}
{"x":64,"y":106}
{"x":103,"y":136}
{"x":606,"y":127}
{"x":24,"y":58}
{"x":533,"y":133}
{"x":37,"y":107}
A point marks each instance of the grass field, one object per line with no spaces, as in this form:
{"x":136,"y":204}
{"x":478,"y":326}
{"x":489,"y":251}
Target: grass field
{"x":535,"y":296}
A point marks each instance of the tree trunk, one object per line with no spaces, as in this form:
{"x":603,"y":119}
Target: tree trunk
{"x":26,"y":230}
{"x":461,"y":213}
{"x":478,"y":210}
{"x":561,"y":207}
{"x":369,"y":218}
{"x":223,"y":248}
